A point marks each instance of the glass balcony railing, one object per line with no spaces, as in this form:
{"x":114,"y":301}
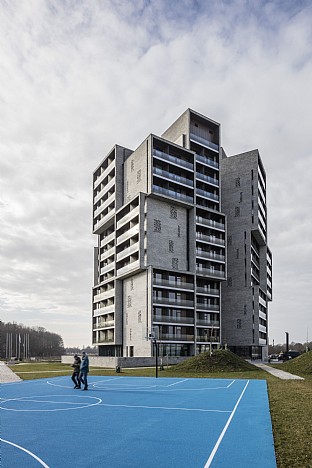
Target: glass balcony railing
{"x":173,"y":301}
{"x":208,"y":161}
{"x":208,"y":291}
{"x":210,"y":180}
{"x":208,"y":324}
{"x":173,"y":337}
{"x":204,"y":306}
{"x":210,"y":272}
{"x":173,"y":159}
{"x":204,"y":193}
{"x":172,"y":176}
{"x":173,"y":284}
{"x":173,"y":194}
{"x":210,"y":222}
{"x":109,"y":323}
{"x":176,"y":320}
{"x":210,"y":255}
{"x":204,"y":141}
{"x":207,"y":339}
{"x":211,"y":239}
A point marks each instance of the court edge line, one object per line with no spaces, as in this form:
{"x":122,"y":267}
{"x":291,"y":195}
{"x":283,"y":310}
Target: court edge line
{"x":214,"y":451}
{"x":27,"y":451}
{"x":165,"y":408}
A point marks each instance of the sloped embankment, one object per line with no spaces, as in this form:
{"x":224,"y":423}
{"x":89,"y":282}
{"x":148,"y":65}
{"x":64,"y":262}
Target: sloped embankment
{"x":301,"y":364}
{"x":219,"y":361}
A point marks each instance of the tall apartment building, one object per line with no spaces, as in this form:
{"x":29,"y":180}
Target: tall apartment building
{"x":248,"y":289}
{"x":161,"y":254}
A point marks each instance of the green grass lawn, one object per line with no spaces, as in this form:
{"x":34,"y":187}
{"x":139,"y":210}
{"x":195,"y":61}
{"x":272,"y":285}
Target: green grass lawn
{"x":290,"y":401}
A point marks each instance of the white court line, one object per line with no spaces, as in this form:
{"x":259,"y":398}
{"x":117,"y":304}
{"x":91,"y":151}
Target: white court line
{"x":176,"y":383}
{"x":27,"y":451}
{"x":167,"y":408}
{"x":214,"y":451}
{"x":230,"y":384}
{"x":79,"y":405}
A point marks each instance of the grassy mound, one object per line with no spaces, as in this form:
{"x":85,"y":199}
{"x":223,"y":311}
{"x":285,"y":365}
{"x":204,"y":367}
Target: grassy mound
{"x":220,"y":361}
{"x":301,"y":364}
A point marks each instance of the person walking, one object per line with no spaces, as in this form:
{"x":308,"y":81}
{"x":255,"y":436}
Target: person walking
{"x":84,"y":369}
{"x":76,"y":370}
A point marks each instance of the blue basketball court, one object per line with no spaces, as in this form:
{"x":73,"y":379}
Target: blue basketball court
{"x":136,"y":422}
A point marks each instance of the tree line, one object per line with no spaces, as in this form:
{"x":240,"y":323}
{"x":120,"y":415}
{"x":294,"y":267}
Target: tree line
{"x":22,"y":342}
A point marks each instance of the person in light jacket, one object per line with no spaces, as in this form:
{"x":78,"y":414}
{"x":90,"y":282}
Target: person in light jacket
{"x":84,"y":369}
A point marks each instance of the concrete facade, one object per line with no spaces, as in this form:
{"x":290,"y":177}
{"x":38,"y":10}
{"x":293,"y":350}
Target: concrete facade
{"x":161,"y":254}
{"x":247,"y":291}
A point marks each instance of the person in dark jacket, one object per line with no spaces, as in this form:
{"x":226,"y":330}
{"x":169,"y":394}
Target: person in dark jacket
{"x":84,"y":369}
{"x":76,"y":371}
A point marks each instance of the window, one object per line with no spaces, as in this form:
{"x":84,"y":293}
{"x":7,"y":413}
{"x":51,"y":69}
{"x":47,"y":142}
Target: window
{"x":139,"y":316}
{"x":131,"y":284}
{"x":240,"y":197}
{"x":237,"y":253}
{"x":129,"y":301}
{"x":171,"y":245}
{"x":237,"y":182}
{"x":179,"y":231}
{"x":239,"y":323}
{"x":175,"y":263}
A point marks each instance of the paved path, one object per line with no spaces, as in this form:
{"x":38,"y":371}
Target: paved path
{"x":6,"y":375}
{"x":277,"y":372}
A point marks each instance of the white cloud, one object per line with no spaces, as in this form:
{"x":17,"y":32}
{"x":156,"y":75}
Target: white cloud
{"x":78,"y":77}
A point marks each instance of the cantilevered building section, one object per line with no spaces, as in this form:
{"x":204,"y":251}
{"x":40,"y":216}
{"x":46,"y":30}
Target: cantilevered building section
{"x":160,"y":258}
{"x":248,"y":289}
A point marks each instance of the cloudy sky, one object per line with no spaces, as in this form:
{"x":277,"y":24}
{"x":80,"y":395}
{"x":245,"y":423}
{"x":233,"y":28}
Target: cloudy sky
{"x":78,"y":76}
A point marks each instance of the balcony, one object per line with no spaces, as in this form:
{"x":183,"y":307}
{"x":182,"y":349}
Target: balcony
{"x":107,"y":253}
{"x":107,"y":239}
{"x":210,"y":272}
{"x":103,"y":341}
{"x":209,"y":324}
{"x":207,"y":339}
{"x":173,"y":284}
{"x":210,"y":255}
{"x":210,"y":239}
{"x":108,"y":267}
{"x":208,"y":291}
{"x":128,"y":251}
{"x":173,"y":194}
{"x":104,"y":295}
{"x":109,"y":309}
{"x":170,"y":302}
{"x":104,"y":205}
{"x":103,"y":220}
{"x":208,"y":161}
{"x":205,"y":178}
{"x":172,"y":176}
{"x":210,"y":222}
{"x":203,"y":141}
{"x":127,"y":268}
{"x":173,"y":320}
{"x":209,"y":195}
{"x":109,"y":168}
{"x":133,"y":213}
{"x":108,"y":323}
{"x":172,"y":337}
{"x":205,"y":306}
{"x":175,"y":160}
{"x":128,"y":234}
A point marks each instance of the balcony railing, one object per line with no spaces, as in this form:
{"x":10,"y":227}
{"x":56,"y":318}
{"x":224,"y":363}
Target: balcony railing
{"x":210,"y":272}
{"x":109,"y":309}
{"x":173,"y":194}
{"x":208,"y":291}
{"x":129,"y":267}
{"x":173,"y":284}
{"x":210,"y":222}
{"x":204,"y":193}
{"x":210,"y":255}
{"x":172,"y":337}
{"x":109,"y":168}
{"x":208,"y":324}
{"x":205,"y":160}
{"x":128,"y":234}
{"x":211,"y":239}
{"x":175,"y":302}
{"x":176,"y":320}
{"x":109,"y":323}
{"x":103,"y":341}
{"x":133,"y":213}
{"x":104,"y":295}
{"x":172,"y":176}
{"x":209,"y":179}
{"x":204,"y":141}
{"x":202,"y":305}
{"x":128,"y":251}
{"x":173,"y":159}
{"x":207,"y":339}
